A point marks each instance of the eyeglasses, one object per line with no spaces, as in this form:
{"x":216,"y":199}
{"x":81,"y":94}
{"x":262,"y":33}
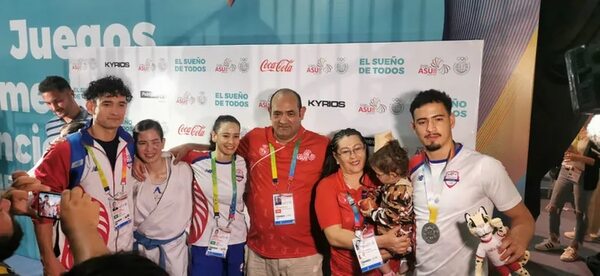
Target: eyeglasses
{"x":346,"y":152}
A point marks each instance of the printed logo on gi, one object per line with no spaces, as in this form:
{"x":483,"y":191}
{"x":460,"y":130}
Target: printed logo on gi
{"x":84,"y":64}
{"x":280,"y":66}
{"x":189,"y":99}
{"x":150,"y":65}
{"x":374,"y":106}
{"x":321,"y":67}
{"x":191,"y":64}
{"x":462,"y":66}
{"x":451,"y":178}
{"x":436,"y":66}
{"x":307,"y":155}
{"x":420,"y":177}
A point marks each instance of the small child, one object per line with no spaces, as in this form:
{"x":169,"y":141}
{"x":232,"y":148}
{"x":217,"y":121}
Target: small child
{"x":391,"y":204}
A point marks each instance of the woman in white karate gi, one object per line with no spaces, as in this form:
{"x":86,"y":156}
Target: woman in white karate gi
{"x":163,"y":202}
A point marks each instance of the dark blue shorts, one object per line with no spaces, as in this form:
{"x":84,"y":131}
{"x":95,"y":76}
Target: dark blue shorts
{"x":232,"y":265}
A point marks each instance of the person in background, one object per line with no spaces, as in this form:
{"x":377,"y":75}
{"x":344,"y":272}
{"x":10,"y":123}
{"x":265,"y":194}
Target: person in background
{"x":578,"y":177}
{"x":60,"y":99}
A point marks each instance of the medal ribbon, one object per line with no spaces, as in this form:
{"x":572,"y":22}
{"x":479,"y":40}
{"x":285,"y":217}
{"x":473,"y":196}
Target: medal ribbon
{"x":292,"y":164}
{"x":213,"y":165}
{"x":103,"y":178}
{"x":433,"y":201}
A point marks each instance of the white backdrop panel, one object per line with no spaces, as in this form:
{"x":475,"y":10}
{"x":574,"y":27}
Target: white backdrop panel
{"x":367,"y":86}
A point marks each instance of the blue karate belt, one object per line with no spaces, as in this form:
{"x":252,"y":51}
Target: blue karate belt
{"x":150,"y":244}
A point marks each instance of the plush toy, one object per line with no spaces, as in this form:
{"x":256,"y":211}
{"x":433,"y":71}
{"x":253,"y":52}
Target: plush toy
{"x":491,"y":231}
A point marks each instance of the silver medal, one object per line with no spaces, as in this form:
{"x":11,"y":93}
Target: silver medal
{"x":430,"y":233}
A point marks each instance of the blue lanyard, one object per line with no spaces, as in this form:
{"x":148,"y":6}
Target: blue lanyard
{"x":357,"y":224}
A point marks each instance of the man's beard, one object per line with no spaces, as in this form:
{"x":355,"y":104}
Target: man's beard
{"x":433,"y":147}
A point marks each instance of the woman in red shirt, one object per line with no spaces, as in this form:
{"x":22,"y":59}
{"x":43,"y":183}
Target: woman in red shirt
{"x":344,"y":179}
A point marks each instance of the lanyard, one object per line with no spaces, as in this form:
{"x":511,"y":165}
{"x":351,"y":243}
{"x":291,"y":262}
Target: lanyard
{"x":213,"y":164}
{"x":357,"y":224}
{"x":292,"y":165}
{"x":103,"y":178}
{"x":433,"y":201}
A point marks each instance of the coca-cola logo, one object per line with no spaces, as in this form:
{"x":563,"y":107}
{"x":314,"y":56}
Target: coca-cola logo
{"x":284,"y":65}
{"x":195,"y":130}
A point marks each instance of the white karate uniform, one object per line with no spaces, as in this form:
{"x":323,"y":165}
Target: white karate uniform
{"x":166,"y":216}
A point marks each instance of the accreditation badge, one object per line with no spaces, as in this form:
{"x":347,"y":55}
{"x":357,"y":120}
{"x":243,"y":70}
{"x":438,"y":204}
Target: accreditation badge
{"x":120,"y":212}
{"x":283,"y":209}
{"x":218,"y":243}
{"x":367,"y":252}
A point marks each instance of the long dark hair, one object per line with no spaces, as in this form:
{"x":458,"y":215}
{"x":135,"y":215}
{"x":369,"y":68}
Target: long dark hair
{"x":218,"y":122}
{"x":330,"y":166}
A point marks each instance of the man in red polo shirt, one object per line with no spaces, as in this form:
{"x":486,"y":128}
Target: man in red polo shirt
{"x":284,"y":164}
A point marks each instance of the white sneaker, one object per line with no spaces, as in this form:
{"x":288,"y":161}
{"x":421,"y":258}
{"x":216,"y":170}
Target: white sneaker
{"x":569,"y":234}
{"x":548,"y":245}
{"x":569,"y":255}
{"x":588,"y":238}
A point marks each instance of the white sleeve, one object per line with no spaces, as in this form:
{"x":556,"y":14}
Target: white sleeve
{"x":497,"y":185}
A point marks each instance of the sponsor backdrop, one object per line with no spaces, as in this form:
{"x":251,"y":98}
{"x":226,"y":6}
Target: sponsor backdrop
{"x":36,"y":35}
{"x":342,"y":85}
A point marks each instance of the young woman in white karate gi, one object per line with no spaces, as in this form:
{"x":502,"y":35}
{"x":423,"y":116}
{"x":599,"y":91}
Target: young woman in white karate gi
{"x":163,"y":202}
